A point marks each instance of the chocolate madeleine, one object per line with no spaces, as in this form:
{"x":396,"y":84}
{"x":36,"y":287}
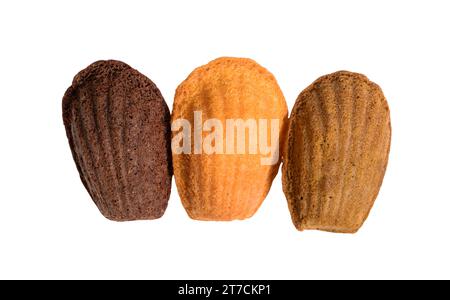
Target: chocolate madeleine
{"x":118,"y":127}
{"x":337,"y":152}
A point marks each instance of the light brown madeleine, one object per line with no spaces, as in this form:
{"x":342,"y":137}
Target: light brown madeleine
{"x":337,"y":152}
{"x":229,"y":185}
{"x":118,"y":127}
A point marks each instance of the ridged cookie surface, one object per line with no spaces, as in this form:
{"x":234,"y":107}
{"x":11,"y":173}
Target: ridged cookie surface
{"x":118,"y":127}
{"x":337,"y":151}
{"x":227,"y":186}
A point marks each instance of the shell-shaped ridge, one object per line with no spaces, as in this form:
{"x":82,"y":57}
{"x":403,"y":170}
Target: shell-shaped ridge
{"x":337,"y":151}
{"x":118,"y":127}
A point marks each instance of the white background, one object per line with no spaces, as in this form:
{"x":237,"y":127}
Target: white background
{"x":50,"y":228}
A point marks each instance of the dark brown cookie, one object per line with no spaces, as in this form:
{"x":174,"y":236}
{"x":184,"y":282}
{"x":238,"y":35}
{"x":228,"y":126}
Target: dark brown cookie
{"x":337,"y":151}
{"x":118,"y":127}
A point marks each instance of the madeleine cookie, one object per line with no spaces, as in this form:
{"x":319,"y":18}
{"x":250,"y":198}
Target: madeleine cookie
{"x":227,"y":122}
{"x":118,"y":127}
{"x":337,"y":152}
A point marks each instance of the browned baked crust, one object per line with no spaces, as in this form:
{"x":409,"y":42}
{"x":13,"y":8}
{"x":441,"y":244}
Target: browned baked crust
{"x":337,"y":152}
